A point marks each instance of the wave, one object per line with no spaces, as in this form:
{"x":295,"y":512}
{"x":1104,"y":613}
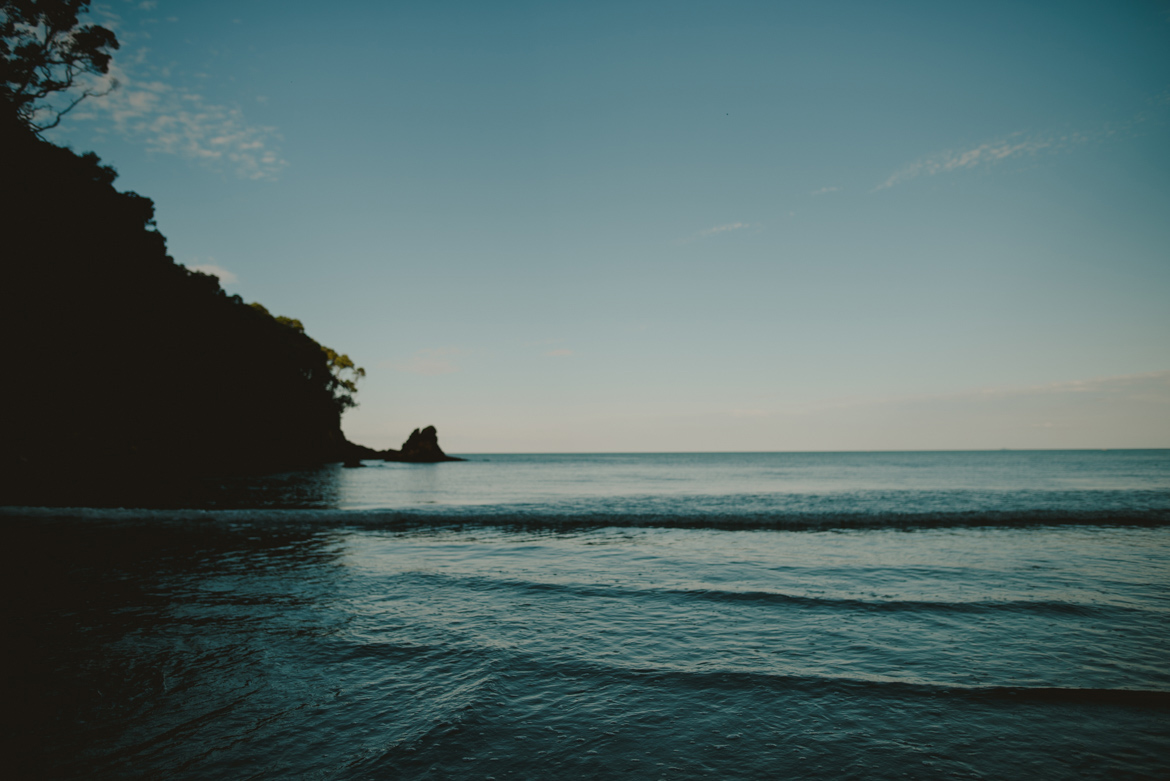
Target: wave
{"x":1154,"y":698}
{"x":580,"y":670}
{"x":875,"y":687}
{"x":845,"y":603}
{"x":543,"y":517}
{"x":780,"y":599}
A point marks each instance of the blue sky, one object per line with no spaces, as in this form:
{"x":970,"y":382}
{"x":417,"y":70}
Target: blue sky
{"x":591,"y":226}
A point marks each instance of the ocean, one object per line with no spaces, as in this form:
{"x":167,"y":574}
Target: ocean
{"x":732,"y":616}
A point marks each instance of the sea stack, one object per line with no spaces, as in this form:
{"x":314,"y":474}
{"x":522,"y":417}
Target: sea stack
{"x":422,"y":447}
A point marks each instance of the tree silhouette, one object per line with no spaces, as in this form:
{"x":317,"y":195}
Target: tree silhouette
{"x":128,"y":372}
{"x":45,"y":51}
{"x":345,"y":373}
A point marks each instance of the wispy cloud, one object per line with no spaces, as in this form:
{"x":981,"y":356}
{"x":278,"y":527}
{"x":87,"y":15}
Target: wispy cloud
{"x":558,"y":353}
{"x":429,"y":362}
{"x":825,"y":191}
{"x":1151,"y":118}
{"x":731,"y":226}
{"x":1018,"y":145}
{"x":1147,"y":387}
{"x":1103,"y":412}
{"x":1150,"y":387}
{"x":987,"y":153}
{"x":142,"y":103}
{"x":225,"y":277}
{"x":1124,"y":383}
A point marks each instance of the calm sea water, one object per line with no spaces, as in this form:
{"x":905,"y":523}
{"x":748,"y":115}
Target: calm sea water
{"x":874,"y":615}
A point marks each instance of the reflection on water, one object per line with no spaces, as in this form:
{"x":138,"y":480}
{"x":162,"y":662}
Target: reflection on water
{"x":730,"y":483}
{"x":226,"y":648}
{"x":333,"y":486}
{"x":320,"y":488}
{"x":588,"y":617}
{"x":137,"y":638}
{"x":417,"y":484}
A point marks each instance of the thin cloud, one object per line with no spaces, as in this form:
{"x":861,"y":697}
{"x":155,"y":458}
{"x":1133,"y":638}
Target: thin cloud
{"x":429,"y":362}
{"x":140,"y":104}
{"x":1159,"y":382}
{"x":1113,"y":411}
{"x":731,"y":226}
{"x":1148,"y":387}
{"x":225,"y":277}
{"x":825,"y":190}
{"x":558,"y":353}
{"x":1018,"y":145}
{"x":956,"y":160}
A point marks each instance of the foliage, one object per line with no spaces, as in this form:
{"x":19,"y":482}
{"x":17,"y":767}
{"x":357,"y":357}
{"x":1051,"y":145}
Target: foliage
{"x":121,"y":360}
{"x":345,"y":372}
{"x":126,"y":360}
{"x":44,"y":51}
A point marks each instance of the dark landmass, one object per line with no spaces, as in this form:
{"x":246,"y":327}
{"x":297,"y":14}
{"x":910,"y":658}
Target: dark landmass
{"x":128,"y":375}
{"x":125,"y":367}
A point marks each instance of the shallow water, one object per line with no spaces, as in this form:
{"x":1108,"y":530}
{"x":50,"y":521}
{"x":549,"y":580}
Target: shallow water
{"x":573,"y":630}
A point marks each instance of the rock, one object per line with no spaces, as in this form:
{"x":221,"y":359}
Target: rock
{"x":422,"y":446}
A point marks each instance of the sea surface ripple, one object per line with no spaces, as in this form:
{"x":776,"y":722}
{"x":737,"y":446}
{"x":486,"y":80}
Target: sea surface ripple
{"x":344,"y":633}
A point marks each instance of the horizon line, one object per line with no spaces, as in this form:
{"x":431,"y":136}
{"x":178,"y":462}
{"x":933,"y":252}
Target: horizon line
{"x":750,"y":452}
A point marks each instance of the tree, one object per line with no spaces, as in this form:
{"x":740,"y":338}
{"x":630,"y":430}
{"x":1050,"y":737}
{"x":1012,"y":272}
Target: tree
{"x":345,"y":376}
{"x":145,"y":369}
{"x":344,"y":373}
{"x":46,"y":52}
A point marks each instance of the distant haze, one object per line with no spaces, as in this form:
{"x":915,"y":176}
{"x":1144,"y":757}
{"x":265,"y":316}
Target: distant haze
{"x":661,"y":226}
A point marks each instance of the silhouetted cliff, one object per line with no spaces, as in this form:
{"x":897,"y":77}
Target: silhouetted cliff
{"x":122,"y":364}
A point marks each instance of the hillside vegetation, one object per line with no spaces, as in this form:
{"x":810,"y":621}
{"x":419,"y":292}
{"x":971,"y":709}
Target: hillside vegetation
{"x":124,"y":366}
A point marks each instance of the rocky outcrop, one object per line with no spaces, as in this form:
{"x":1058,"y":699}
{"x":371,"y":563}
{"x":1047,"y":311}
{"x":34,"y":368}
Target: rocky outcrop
{"x":421,"y":447}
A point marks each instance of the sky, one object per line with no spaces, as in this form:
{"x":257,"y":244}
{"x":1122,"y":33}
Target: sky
{"x":678,"y":226}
